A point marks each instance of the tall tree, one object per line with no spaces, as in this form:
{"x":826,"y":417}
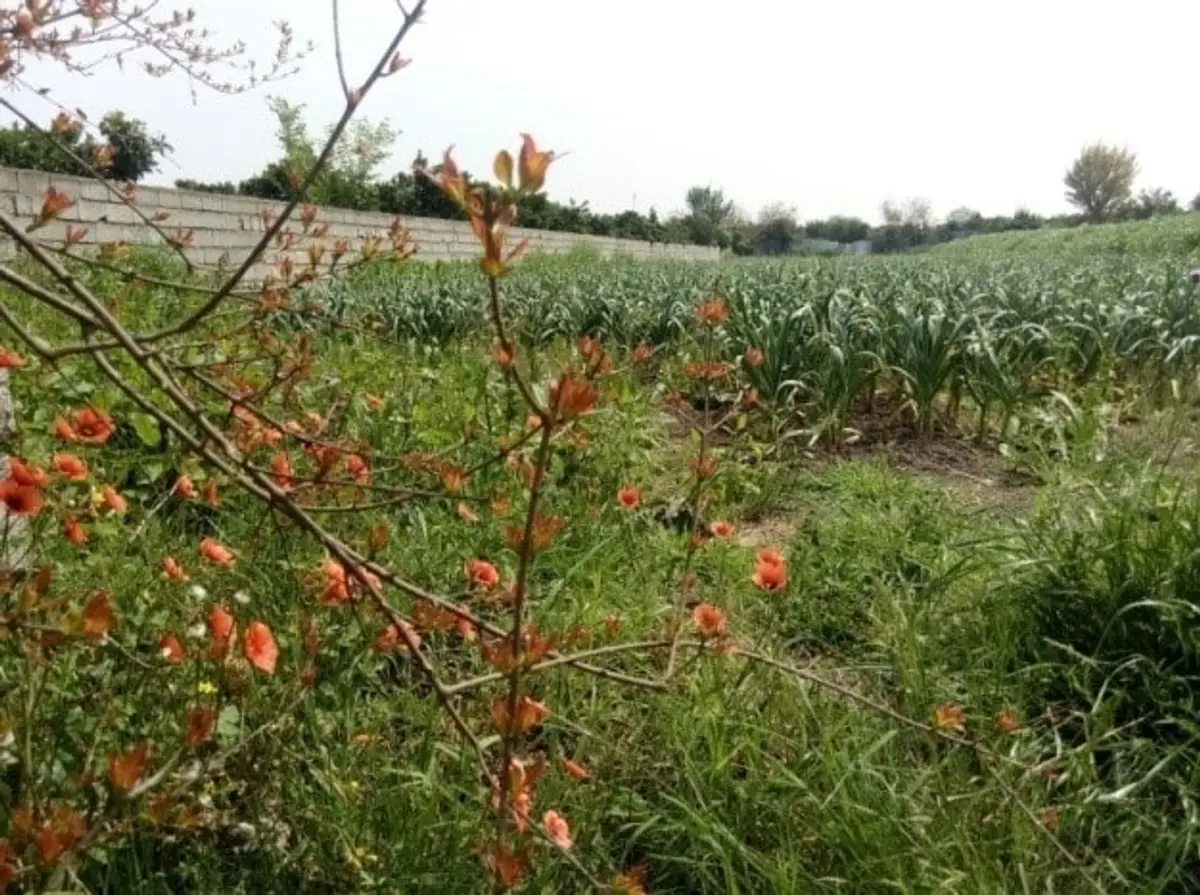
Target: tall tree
{"x":710,"y":216}
{"x":775,"y":231}
{"x":1101,"y":180}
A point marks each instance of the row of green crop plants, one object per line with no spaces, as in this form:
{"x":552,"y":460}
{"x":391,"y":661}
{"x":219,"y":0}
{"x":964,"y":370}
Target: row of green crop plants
{"x":937,"y":335}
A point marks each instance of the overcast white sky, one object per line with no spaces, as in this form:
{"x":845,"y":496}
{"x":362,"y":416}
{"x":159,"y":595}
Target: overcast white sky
{"x":829,"y":106}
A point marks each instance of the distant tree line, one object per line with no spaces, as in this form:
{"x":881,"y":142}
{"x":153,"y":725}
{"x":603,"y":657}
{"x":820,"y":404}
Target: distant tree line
{"x":1099,"y":184}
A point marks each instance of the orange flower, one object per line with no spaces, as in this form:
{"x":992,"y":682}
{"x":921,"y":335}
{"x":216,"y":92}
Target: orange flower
{"x":1049,"y":818}
{"x":375,"y":402}
{"x":126,"y":769}
{"x":260,"y":648}
{"x":58,"y":834}
{"x":545,"y":528}
{"x":709,"y":621}
{"x":391,"y":639}
{"x":557,"y":829}
{"x":20,"y":500}
{"x":358,"y":469}
{"x":482,"y":574}
{"x":530,"y":713}
{"x":453,"y":479}
{"x":532,"y":165}
{"x":24,"y":474}
{"x":62,"y":430}
{"x":98,"y":616}
{"x":628,"y":497}
{"x":93,"y":426}
{"x":199,"y":726}
{"x":706,"y":370}
{"x":721,"y":529}
{"x":508,"y":866}
{"x":216,"y":553}
{"x":704,"y":468}
{"x":71,"y":466}
{"x":1007,"y":723}
{"x":337,"y":589}
{"x":755,"y":357}
{"x":171,"y":649}
{"x":211,"y":497}
{"x":642,"y":353}
{"x":172,"y":570}
{"x":221,"y":624}
{"x":112,"y":501}
{"x":575,"y":770}
{"x":10,"y":360}
{"x":948,"y":716}
{"x":74,"y":532}
{"x":713,"y":312}
{"x":184,"y":487}
{"x":571,"y":397}
{"x":281,"y":470}
{"x":769,"y":577}
{"x":632,"y":882}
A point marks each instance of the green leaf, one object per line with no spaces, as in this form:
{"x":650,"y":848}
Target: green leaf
{"x":147,"y":429}
{"x":229,"y":725}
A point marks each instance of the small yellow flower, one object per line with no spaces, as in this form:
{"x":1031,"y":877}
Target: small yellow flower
{"x":206,"y":688}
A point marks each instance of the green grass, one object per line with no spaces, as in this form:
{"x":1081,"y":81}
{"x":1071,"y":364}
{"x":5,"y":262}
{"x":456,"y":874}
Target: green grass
{"x":1177,"y":235}
{"x":1075,"y":611}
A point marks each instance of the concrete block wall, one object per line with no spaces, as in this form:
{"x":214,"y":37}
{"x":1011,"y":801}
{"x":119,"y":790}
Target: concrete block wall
{"x":226,"y":228}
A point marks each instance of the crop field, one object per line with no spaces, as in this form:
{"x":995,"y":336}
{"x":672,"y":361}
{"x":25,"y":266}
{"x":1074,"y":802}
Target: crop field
{"x":864,"y":575}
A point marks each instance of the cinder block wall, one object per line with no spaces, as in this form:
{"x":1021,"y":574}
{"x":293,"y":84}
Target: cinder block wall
{"x":227,"y":227}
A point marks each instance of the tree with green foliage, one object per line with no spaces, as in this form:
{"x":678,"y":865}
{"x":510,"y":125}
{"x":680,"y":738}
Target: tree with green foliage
{"x":1151,"y":204}
{"x":710,"y":217}
{"x":838,"y":228}
{"x":1101,"y":180}
{"x":135,"y":151}
{"x":127,"y":152}
{"x":775,"y":232}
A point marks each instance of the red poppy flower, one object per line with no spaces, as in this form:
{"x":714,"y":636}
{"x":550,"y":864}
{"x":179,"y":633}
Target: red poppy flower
{"x":221,"y":624}
{"x":216,"y":553}
{"x":10,"y":360}
{"x":281,"y":470}
{"x":709,"y":620}
{"x":25,"y":474}
{"x":20,"y":500}
{"x":71,"y":466}
{"x":113,"y":501}
{"x":184,"y":487}
{"x":769,"y":577}
{"x":260,"y":648}
{"x":557,"y":829}
{"x":483,"y":574}
{"x":358,"y":469}
{"x":172,"y":570}
{"x":62,"y":430}
{"x":171,"y":649}
{"x":93,"y":426}
{"x":721,"y":529}
{"x":629,"y":497}
{"x":74,"y":532}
